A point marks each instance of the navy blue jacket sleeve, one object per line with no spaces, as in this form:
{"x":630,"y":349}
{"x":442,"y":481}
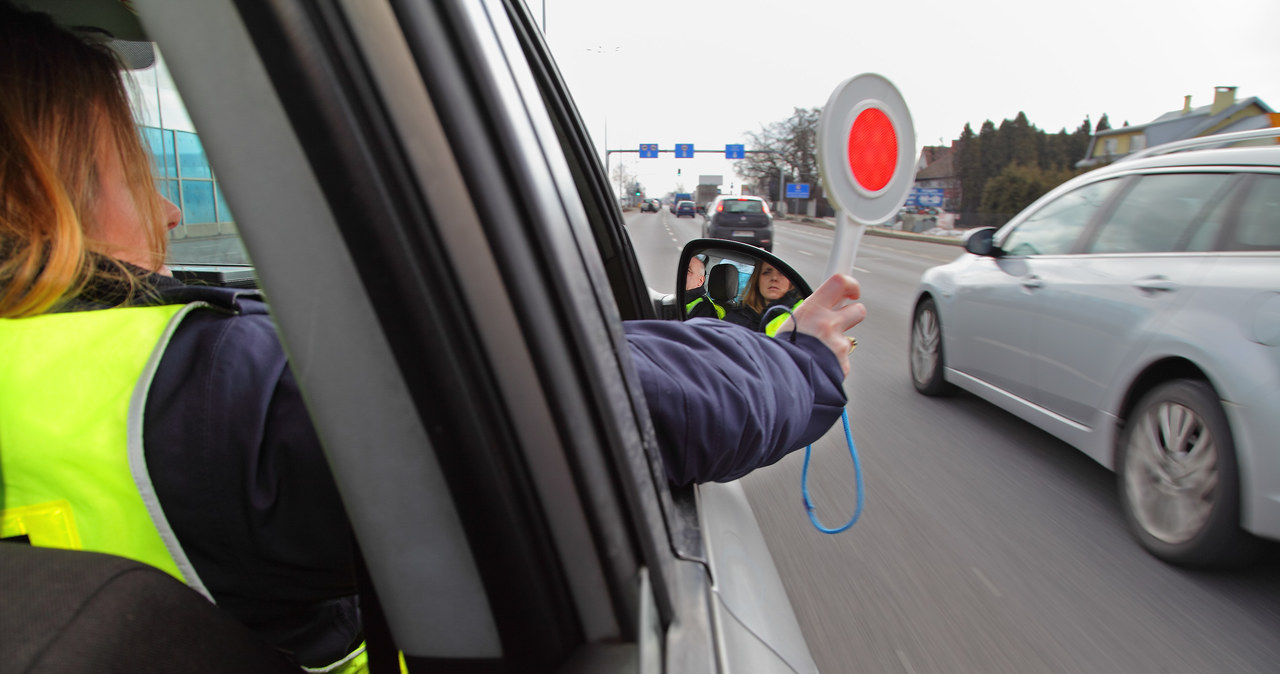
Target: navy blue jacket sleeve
{"x":726,"y":400}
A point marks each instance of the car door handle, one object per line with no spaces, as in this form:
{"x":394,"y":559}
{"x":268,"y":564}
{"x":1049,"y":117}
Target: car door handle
{"x":1032,"y":282}
{"x":1153,"y":284}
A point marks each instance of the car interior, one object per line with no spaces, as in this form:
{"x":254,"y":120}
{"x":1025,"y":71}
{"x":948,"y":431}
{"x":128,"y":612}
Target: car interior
{"x":630,"y":524}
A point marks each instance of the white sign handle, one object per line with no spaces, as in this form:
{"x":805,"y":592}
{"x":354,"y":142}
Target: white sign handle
{"x":844,"y":250}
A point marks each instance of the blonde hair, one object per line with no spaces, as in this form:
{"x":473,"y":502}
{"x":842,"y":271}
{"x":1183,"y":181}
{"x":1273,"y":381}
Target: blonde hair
{"x":63,"y":112}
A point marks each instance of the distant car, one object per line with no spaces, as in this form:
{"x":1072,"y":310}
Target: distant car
{"x":1134,"y":312}
{"x":685,"y":208}
{"x":740,"y":218}
{"x":649,"y":206}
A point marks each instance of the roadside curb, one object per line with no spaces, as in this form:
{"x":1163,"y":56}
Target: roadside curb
{"x":820,"y":223}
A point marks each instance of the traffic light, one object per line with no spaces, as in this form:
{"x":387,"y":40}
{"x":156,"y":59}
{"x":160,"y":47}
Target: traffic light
{"x":637,"y":193}
{"x":677,"y":171}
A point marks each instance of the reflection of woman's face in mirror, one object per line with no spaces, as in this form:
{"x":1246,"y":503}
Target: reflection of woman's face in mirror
{"x":773,"y":284}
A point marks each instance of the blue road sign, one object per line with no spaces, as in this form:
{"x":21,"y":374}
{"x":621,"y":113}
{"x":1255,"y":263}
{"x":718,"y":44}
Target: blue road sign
{"x":648,"y":150}
{"x":797,"y":190}
{"x":925,"y":197}
{"x":734,"y":152}
{"x":684,"y":150}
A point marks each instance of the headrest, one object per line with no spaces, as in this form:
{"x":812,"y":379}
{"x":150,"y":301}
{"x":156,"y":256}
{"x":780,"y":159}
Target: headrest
{"x":723,"y":285}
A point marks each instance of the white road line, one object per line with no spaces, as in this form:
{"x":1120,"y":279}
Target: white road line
{"x":865,"y":271}
{"x":987,"y":582}
{"x":805,"y":252}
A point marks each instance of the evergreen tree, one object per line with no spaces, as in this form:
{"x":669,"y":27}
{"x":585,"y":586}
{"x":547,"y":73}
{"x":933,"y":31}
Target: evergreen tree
{"x":1103,"y":123}
{"x":1080,"y":141}
{"x":1004,"y":141}
{"x":1015,"y":188}
{"x":1022,"y":142}
{"x":990,"y":161}
{"x":968,"y":164}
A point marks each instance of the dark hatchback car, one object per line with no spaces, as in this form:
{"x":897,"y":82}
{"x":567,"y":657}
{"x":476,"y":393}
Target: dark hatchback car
{"x":740,"y":218}
{"x":685,"y":208}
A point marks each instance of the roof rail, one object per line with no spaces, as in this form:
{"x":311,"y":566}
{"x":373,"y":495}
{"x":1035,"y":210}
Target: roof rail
{"x":1214,"y":140}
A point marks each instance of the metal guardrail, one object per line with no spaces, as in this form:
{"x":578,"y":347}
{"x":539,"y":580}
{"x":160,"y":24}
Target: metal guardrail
{"x":1216,"y":140}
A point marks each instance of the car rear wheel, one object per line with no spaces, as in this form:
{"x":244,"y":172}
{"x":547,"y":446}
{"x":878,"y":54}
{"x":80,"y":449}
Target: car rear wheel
{"x":927,"y":357}
{"x":1178,"y":478}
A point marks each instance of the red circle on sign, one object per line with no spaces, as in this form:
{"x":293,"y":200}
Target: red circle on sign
{"x":873,"y":149}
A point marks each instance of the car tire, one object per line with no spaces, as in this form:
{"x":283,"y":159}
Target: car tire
{"x":928,"y":359}
{"x":1191,"y":516}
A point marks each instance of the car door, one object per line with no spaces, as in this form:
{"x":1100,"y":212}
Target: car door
{"x":1103,"y":304}
{"x":998,"y":301}
{"x":448,"y":272}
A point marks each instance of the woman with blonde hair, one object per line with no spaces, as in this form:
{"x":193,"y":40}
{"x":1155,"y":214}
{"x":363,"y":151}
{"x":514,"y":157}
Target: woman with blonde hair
{"x":141,"y":417}
{"x":767,"y":288}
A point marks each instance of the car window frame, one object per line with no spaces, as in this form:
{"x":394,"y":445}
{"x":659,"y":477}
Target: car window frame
{"x":626,"y":610}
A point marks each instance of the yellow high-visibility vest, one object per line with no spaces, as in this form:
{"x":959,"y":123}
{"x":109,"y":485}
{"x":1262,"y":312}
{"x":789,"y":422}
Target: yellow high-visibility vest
{"x":73,"y":389}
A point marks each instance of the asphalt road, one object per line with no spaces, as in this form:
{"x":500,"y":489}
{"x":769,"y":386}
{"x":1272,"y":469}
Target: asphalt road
{"x":985,"y":545}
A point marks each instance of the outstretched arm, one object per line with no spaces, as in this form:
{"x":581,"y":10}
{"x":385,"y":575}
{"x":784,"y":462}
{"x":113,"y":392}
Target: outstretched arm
{"x":726,"y":400}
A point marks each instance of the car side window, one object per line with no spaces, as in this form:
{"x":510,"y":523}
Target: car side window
{"x":1160,"y":213}
{"x":1054,"y":228}
{"x":1204,"y":237}
{"x":1258,"y":226}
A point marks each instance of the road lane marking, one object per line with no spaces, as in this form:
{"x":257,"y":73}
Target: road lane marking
{"x":987,"y":582}
{"x":902,"y":657}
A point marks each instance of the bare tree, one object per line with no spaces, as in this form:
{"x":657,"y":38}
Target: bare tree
{"x":623,"y":176}
{"x":786,"y":150}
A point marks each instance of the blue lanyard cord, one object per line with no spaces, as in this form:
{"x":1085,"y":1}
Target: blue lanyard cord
{"x":857,"y":471}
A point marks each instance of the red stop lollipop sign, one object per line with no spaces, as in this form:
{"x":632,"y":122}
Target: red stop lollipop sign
{"x":873,"y":149}
{"x":866,"y":149}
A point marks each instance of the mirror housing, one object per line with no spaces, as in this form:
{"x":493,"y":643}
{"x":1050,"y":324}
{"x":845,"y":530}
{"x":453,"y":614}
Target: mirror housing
{"x":981,"y":241}
{"x":728,"y":264}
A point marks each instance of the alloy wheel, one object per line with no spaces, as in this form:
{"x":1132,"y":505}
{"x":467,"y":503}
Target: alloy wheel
{"x":926,"y":336}
{"x":1171,"y":474}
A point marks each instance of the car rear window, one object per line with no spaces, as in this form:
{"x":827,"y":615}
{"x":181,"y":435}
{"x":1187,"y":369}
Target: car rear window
{"x":743,"y":206}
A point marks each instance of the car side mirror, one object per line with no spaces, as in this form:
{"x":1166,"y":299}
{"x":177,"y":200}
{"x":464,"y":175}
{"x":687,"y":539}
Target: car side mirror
{"x":981,"y":241}
{"x":714,"y":276}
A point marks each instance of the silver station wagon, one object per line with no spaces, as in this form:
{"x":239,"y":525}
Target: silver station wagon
{"x":1134,"y":312}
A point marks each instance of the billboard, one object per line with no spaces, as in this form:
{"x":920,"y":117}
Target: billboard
{"x":711,"y":180}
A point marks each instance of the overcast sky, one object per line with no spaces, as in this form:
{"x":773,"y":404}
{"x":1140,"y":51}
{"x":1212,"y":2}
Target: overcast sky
{"x":704,"y":72}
